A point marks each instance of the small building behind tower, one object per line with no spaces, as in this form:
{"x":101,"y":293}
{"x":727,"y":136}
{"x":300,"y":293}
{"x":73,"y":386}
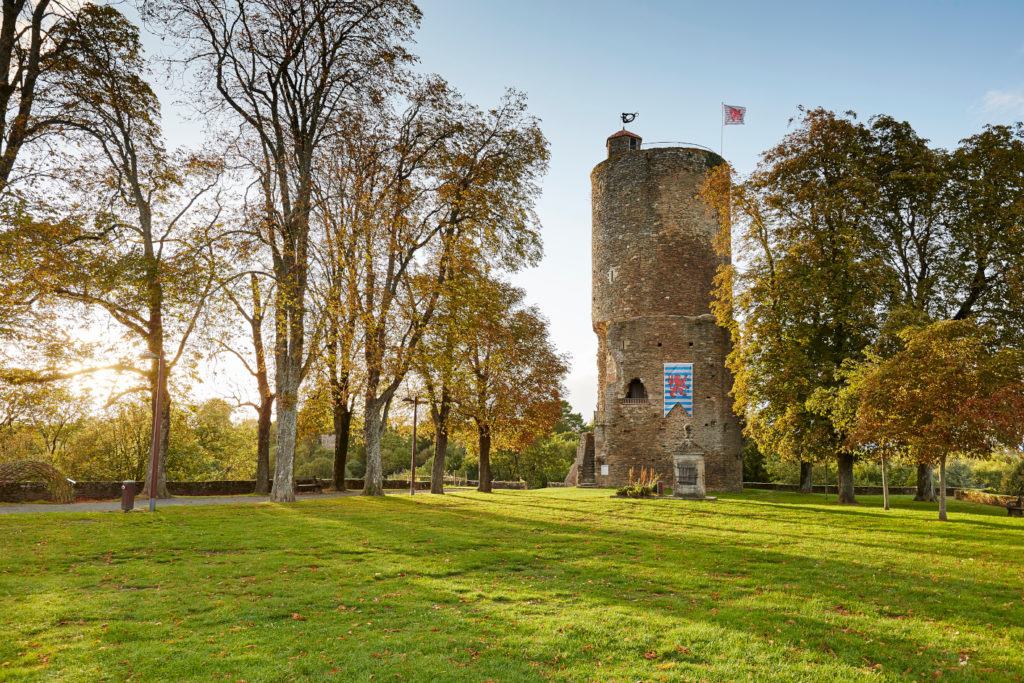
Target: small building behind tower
{"x":661,"y":354}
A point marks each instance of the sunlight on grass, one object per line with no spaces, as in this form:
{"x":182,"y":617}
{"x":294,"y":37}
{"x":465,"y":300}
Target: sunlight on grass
{"x":550,"y":584}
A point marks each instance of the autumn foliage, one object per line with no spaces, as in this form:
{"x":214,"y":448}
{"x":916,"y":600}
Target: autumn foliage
{"x":951,"y":391}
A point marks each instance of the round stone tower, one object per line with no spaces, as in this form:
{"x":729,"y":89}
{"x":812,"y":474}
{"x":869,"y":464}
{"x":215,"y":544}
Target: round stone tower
{"x":661,"y":355}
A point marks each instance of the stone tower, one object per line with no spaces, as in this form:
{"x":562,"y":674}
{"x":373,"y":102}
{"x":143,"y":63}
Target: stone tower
{"x":661,"y":355}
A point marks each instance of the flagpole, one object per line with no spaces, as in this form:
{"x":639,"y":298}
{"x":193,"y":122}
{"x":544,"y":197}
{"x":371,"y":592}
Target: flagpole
{"x":721,"y":131}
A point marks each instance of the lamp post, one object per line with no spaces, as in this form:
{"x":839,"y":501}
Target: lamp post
{"x":154,"y":449}
{"x":415,"y":401}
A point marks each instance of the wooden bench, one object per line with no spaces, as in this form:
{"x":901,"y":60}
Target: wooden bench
{"x":1016,"y":509}
{"x":316,"y":487}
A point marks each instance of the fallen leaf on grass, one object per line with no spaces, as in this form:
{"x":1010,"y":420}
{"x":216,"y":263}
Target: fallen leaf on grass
{"x":298,"y":617}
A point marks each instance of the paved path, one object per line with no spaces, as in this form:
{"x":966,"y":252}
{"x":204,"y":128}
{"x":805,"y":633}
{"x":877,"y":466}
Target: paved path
{"x":143,"y":504}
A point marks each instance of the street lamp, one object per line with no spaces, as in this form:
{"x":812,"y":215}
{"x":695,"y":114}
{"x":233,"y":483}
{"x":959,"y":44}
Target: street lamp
{"x":415,"y":401}
{"x":154,"y":450}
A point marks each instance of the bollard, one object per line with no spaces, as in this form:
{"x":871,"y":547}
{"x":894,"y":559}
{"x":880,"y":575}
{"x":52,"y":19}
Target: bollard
{"x":661,"y":488}
{"x":127,"y":496}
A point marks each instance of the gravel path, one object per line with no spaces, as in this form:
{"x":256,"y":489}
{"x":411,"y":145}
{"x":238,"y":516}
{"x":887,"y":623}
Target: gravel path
{"x":143,"y":504}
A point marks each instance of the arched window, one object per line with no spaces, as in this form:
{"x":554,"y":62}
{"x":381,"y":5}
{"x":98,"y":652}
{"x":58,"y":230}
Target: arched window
{"x":636,"y":389}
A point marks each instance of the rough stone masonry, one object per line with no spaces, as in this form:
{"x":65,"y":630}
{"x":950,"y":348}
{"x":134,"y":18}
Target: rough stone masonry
{"x":653,"y":268}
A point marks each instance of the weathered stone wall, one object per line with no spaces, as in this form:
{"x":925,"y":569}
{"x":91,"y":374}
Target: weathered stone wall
{"x":30,"y":491}
{"x":653,"y":268}
{"x":986,"y":498}
{"x":857,"y":490}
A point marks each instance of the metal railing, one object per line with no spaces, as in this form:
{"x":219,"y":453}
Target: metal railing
{"x":675,"y":143}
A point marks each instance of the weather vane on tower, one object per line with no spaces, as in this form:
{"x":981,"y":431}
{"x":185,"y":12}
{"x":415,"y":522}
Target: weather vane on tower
{"x":628,"y":117}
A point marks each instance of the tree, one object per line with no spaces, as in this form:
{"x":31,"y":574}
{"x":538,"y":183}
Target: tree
{"x":800,"y":299}
{"x":38,"y":39}
{"x":130,"y":249}
{"x":908,"y":211}
{"x":207,"y":444}
{"x":985,"y":264}
{"x":336,"y":297}
{"x":249,"y":294}
{"x":117,"y":445}
{"x":514,"y":394}
{"x":47,"y":48}
{"x":570,"y":422}
{"x":945,"y":228}
{"x":443,"y":370}
{"x":288,"y":72}
{"x":548,"y":458}
{"x":438,"y":186}
{"x":1013,"y":481}
{"x":952,"y":390}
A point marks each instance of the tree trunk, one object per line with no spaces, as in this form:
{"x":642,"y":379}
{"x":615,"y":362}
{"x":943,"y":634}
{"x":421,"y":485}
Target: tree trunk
{"x":885,"y":483}
{"x":844,"y":478}
{"x":484,"y":431}
{"x":283,"y":490}
{"x":165,"y":442}
{"x":925,"y":483}
{"x":439,"y":416}
{"x":165,"y":430}
{"x":265,"y":411}
{"x":342,"y":427}
{"x":942,"y":488}
{"x":440,"y":450}
{"x":373,"y":430}
{"x":806,"y":484}
{"x":266,"y":414}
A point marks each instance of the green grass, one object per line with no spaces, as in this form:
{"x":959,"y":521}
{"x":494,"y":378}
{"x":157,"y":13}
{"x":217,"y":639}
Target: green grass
{"x":516,"y":586}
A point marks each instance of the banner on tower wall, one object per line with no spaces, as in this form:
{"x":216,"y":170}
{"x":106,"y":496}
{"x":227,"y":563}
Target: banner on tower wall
{"x":679,"y":387}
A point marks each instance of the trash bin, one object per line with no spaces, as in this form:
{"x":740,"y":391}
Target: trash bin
{"x":127,"y":496}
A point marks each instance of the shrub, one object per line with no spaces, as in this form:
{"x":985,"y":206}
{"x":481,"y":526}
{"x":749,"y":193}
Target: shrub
{"x":1013,"y":481}
{"x":989,"y":474}
{"x":644,"y":486}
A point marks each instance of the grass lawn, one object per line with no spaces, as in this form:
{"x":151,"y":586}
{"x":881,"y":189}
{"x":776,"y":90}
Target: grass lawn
{"x":516,"y":586}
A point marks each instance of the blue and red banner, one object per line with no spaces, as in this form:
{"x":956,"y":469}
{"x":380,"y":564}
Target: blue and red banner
{"x":679,"y":387}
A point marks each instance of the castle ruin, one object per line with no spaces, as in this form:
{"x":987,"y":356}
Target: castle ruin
{"x":661,"y":355}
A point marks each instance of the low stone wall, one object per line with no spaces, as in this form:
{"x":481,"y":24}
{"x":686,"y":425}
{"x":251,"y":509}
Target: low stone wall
{"x":29,"y":491}
{"x":986,"y":498}
{"x":357,"y":484}
{"x":514,"y":485}
{"x":857,"y":490}
{"x":23,"y":492}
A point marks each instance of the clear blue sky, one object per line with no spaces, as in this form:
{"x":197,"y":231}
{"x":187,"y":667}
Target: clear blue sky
{"x":946,"y":67}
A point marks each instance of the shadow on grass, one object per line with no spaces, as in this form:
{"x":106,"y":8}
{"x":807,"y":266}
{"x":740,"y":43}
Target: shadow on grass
{"x":540,"y":580}
{"x":752,"y":576}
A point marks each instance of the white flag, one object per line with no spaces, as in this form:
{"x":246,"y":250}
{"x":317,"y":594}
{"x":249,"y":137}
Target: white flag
{"x":733,"y":116}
